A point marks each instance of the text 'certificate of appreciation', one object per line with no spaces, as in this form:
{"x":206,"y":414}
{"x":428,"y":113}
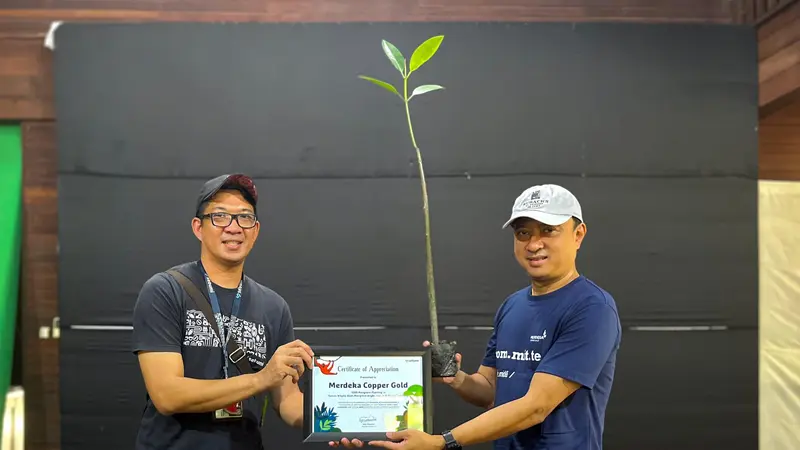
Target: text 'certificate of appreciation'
{"x":364,"y":394}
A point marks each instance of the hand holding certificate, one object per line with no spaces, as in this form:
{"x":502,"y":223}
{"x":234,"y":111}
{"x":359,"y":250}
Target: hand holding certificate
{"x":363,"y":394}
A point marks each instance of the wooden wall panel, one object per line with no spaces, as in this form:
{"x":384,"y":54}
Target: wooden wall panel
{"x":26,"y":87}
{"x":40,"y":366}
{"x":779,"y":60}
{"x":757,"y":12}
{"x":718,"y":11}
{"x":779,"y":144}
{"x":778,"y":32}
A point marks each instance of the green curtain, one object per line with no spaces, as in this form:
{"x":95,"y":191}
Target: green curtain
{"x":10,"y":246}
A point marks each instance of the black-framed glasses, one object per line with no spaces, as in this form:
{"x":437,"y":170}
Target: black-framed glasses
{"x":220,"y":219}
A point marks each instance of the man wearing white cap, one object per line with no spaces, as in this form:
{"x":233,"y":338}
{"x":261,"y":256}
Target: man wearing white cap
{"x":549,"y":366}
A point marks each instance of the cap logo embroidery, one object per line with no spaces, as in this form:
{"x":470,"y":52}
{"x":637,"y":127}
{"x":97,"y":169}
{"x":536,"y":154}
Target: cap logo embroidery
{"x":534,"y":201}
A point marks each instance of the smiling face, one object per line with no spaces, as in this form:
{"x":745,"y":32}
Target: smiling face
{"x":226,"y":238}
{"x":547,"y":252}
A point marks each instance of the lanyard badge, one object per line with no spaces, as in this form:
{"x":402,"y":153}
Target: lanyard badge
{"x":233,"y":411}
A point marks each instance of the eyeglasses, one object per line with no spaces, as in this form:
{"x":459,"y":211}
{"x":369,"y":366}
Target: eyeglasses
{"x":224,"y":219}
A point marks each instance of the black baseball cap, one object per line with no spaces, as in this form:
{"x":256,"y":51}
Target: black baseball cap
{"x":237,"y":181}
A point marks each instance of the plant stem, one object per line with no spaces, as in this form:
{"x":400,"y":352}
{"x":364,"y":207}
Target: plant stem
{"x":428,"y":250}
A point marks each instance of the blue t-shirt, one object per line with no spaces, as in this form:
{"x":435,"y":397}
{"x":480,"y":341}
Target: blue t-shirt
{"x":574,"y":333}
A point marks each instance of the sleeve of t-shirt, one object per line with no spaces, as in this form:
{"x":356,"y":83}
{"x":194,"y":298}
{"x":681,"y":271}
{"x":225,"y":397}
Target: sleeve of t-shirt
{"x":584,"y":344}
{"x":157,"y":318}
{"x":286,"y":328}
{"x":490,"y":356}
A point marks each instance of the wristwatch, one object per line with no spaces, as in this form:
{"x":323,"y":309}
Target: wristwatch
{"x":450,"y":442}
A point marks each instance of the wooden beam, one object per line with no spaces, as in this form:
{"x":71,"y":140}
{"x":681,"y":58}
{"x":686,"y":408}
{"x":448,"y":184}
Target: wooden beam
{"x":23,"y":29}
{"x":704,"y":11}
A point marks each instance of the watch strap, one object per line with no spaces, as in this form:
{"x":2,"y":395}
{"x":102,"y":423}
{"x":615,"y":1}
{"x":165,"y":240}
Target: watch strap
{"x":450,"y":442}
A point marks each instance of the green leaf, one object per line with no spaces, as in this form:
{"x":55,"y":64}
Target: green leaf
{"x":425,"y":88}
{"x":382,"y":84}
{"x":424,"y":52}
{"x":414,"y":390}
{"x":397,"y":59}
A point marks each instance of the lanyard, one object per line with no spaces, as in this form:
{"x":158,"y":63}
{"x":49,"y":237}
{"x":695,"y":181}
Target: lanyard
{"x":224,"y":338}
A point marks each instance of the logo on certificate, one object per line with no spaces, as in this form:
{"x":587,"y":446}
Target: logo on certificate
{"x":325,"y":366}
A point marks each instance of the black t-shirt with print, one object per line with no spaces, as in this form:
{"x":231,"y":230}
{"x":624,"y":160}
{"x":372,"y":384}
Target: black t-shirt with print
{"x":166,"y":319}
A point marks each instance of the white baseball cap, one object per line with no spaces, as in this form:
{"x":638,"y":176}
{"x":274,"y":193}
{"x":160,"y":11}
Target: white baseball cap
{"x":550,"y":204}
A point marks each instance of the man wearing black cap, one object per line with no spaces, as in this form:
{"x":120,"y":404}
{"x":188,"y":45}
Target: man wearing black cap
{"x":212,"y":343}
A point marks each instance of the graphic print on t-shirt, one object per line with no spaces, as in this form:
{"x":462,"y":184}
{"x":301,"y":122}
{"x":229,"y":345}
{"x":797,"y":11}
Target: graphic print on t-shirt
{"x":251,"y":336}
{"x":520,"y":360}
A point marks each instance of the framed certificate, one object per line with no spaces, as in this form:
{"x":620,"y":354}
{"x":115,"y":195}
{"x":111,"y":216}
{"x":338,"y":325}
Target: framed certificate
{"x":364,"y":393}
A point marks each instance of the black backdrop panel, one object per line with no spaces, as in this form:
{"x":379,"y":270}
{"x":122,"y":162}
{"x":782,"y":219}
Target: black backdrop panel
{"x":640,"y":119}
{"x":351,"y":252}
{"x":652,"y":126}
{"x":284,"y":99}
{"x":692,"y":391}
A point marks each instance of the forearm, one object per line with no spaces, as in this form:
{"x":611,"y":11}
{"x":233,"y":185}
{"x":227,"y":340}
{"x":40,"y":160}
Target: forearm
{"x":474,"y":389}
{"x":191,"y":395}
{"x":291,"y":410}
{"x":499,"y":422}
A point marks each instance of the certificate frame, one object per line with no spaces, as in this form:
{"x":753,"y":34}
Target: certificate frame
{"x":309,"y":403}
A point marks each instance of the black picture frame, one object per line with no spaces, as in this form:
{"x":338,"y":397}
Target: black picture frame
{"x":307,"y":381}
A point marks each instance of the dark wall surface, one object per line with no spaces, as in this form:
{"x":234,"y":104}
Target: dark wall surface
{"x":652,"y":127}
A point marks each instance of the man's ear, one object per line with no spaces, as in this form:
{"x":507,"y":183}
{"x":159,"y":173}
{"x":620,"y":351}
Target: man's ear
{"x":580,"y":233}
{"x":197,"y":228}
{"x":255,"y":230}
